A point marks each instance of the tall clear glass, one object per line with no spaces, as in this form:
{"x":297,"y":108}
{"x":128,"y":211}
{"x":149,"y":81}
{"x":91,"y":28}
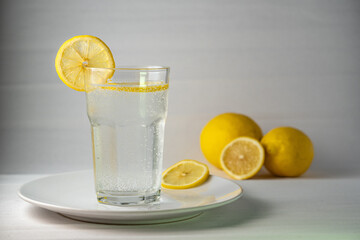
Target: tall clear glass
{"x":127,"y":109}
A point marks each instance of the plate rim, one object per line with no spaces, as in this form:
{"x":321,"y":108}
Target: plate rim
{"x":62,"y":209}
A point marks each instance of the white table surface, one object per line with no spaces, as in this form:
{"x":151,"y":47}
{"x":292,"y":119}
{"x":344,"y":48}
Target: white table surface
{"x":271,"y":208}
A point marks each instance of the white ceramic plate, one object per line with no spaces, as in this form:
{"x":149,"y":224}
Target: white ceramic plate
{"x":73,"y":195}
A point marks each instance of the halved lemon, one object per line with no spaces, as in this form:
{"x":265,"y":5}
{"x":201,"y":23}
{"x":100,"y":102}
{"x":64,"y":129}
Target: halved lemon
{"x":78,"y":52}
{"x":242,"y":158}
{"x":185,"y":174}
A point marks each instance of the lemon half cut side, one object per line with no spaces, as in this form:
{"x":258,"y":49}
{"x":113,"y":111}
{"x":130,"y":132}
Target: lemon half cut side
{"x":79,"y":52}
{"x":242,"y":158}
{"x":221,"y":130}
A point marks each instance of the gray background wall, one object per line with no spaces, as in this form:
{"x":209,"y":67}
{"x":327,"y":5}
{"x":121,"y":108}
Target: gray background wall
{"x":281,"y":62}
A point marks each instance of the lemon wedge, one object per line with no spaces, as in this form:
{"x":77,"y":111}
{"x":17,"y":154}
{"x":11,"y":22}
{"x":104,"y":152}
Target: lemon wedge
{"x":78,"y":52}
{"x":242,"y":158}
{"x":185,"y":174}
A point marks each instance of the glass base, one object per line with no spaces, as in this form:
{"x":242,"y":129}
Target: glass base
{"x":125,"y":199}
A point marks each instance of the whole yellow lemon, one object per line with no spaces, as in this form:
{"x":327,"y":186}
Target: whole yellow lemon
{"x":221,"y":130}
{"x":288,"y":151}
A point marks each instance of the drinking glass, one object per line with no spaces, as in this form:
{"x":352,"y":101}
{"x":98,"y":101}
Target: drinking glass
{"x":127,"y":109}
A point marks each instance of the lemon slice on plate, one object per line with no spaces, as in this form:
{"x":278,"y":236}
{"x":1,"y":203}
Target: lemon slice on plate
{"x":78,"y":52}
{"x":185,"y":174}
{"x":242,"y":158}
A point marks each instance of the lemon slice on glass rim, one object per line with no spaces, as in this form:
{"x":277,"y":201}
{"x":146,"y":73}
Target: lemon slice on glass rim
{"x":79,"y":52}
{"x":185,"y":174}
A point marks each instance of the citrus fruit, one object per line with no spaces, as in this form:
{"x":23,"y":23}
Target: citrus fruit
{"x":78,"y":52}
{"x":242,"y":158}
{"x":289,"y":152}
{"x":185,"y":174}
{"x":221,"y":130}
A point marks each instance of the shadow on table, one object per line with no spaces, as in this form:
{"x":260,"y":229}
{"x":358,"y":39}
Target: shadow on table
{"x":326,"y":172}
{"x":240,"y":212}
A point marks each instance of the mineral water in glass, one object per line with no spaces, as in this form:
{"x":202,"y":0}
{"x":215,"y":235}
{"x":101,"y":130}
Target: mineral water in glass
{"x":127,"y":109}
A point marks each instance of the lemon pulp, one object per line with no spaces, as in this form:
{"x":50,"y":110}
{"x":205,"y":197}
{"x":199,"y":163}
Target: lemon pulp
{"x":242,"y":158}
{"x":79,"y":52}
{"x":185,"y":174}
{"x":221,"y":130}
